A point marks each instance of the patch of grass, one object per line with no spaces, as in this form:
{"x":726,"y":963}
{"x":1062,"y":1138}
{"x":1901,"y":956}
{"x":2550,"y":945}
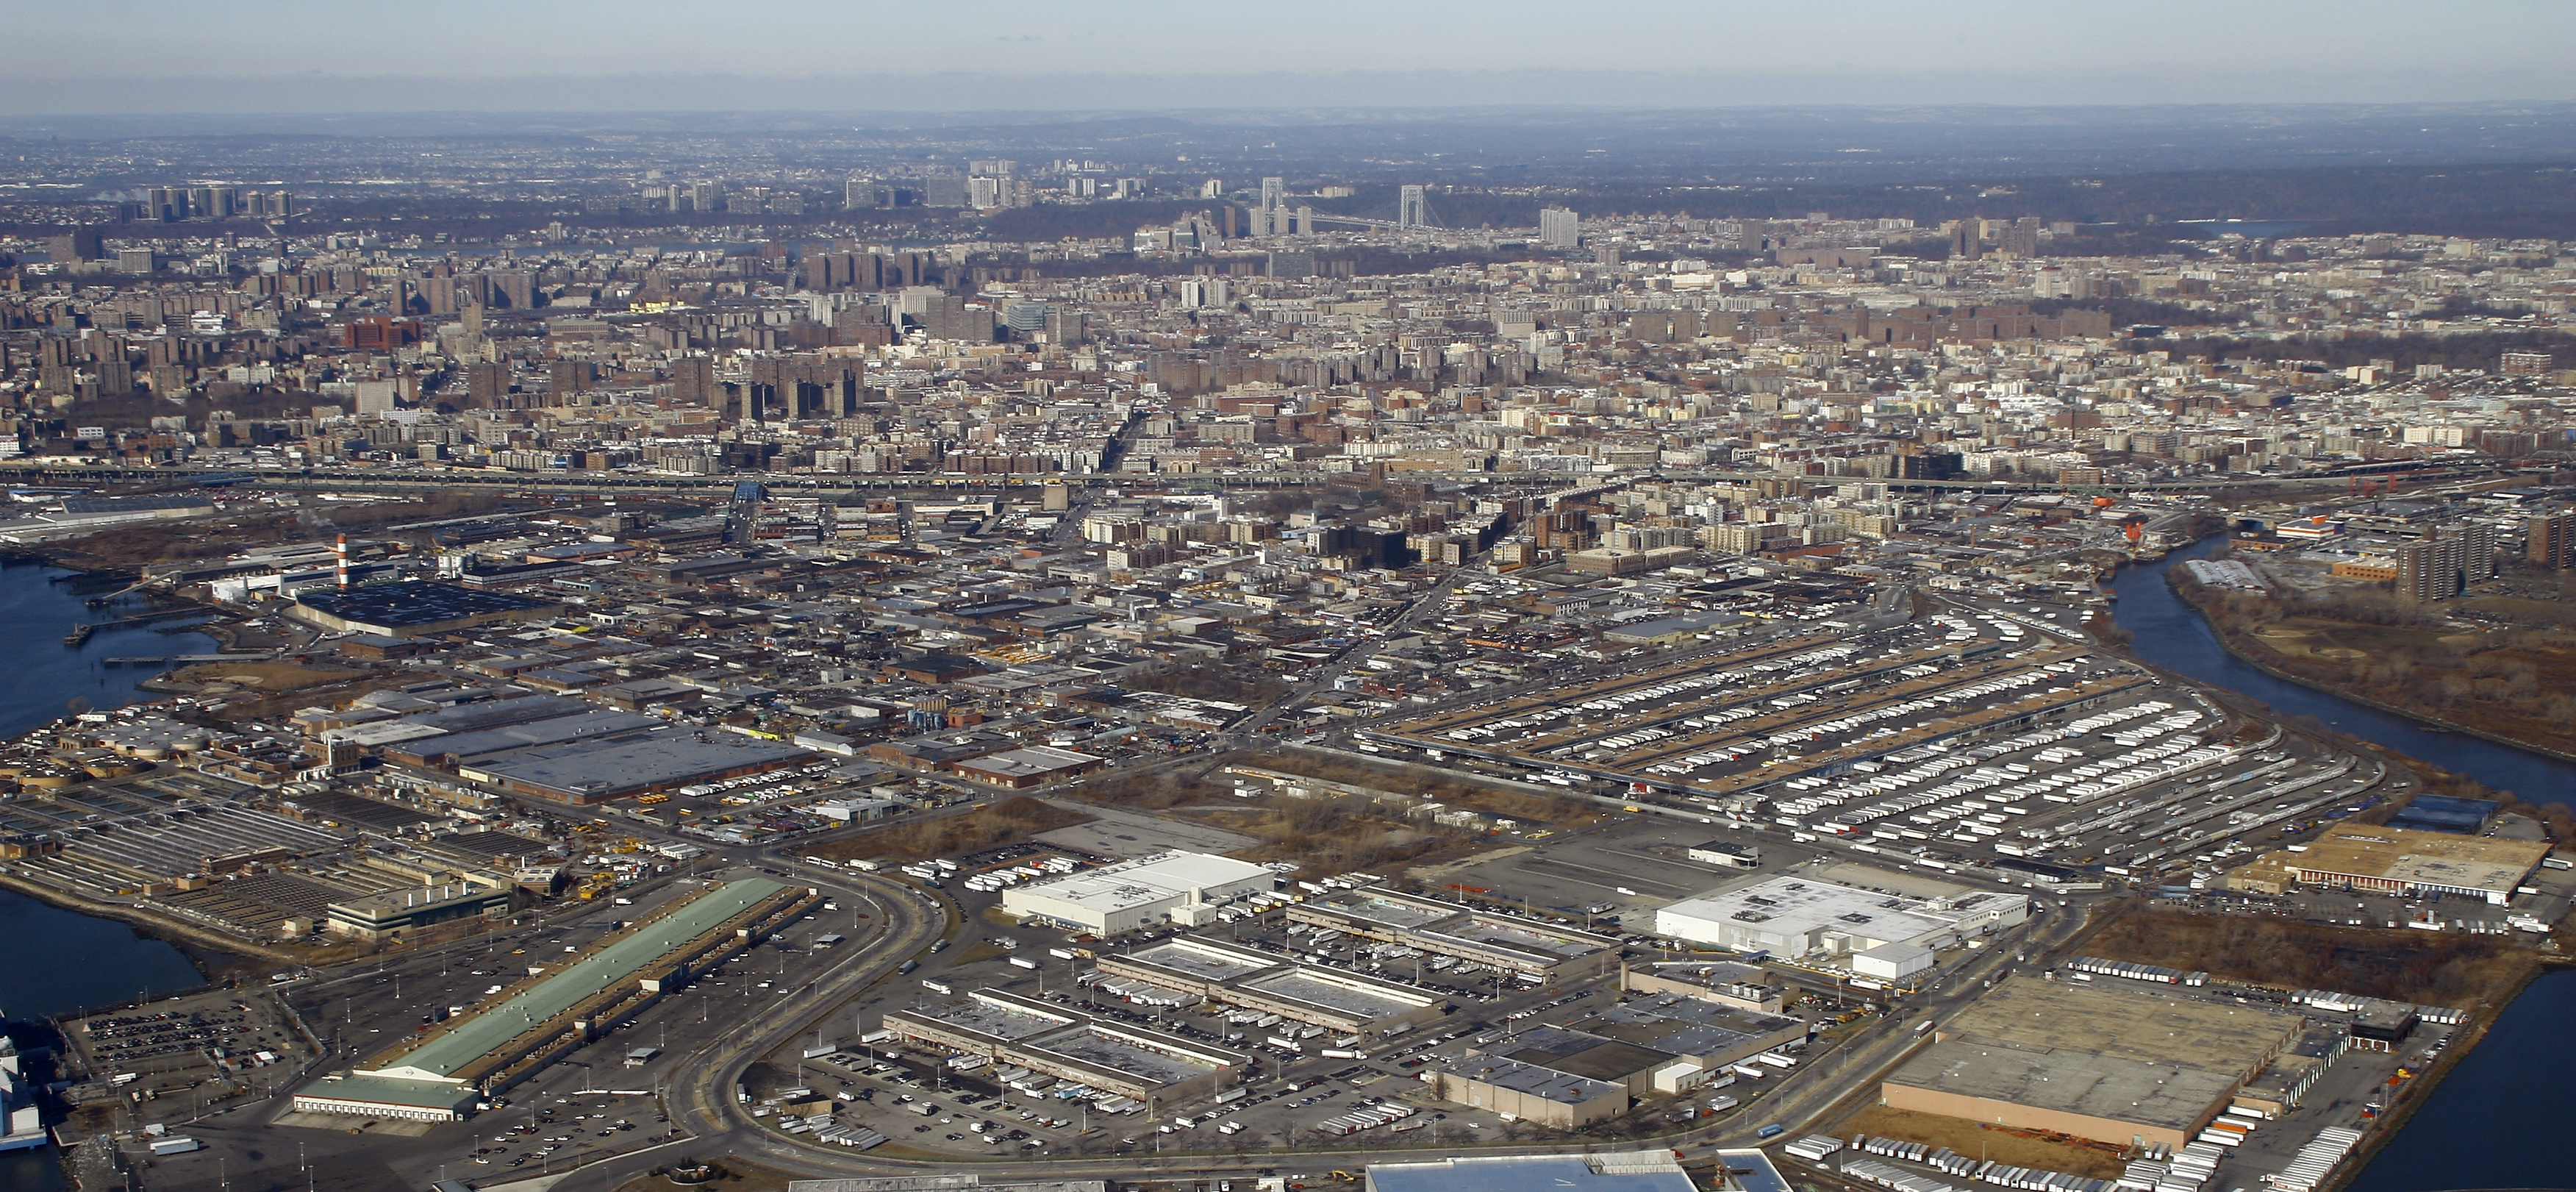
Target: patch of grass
{"x":1978,"y":1140}
{"x":1016,"y":818}
{"x":2427,"y":968}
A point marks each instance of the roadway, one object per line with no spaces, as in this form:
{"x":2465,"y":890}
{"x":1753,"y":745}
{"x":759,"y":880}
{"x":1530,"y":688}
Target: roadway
{"x":1799,"y":1099}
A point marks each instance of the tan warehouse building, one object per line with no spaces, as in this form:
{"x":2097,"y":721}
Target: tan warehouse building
{"x":2111,"y":1065}
{"x":2377,"y":859}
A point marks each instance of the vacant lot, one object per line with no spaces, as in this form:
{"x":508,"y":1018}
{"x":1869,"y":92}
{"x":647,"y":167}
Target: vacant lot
{"x":2428,"y":968}
{"x":1016,"y":818}
{"x":2019,"y":1148}
{"x":267,"y":676}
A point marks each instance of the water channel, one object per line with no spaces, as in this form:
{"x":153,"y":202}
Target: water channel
{"x":2490,"y":1122}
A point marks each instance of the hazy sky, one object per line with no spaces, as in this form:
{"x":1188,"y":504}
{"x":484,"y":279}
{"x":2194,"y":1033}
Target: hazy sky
{"x":309,"y":55}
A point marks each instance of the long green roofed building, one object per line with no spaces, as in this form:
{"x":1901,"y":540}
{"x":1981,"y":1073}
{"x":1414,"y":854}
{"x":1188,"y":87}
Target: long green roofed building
{"x":441,"y":1076}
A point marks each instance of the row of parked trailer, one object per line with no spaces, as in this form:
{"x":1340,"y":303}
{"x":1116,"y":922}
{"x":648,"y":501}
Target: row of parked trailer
{"x":1888,"y":1176}
{"x":1142,"y":993}
{"x":1694,"y":686}
{"x":1006,"y":876}
{"x":2315,"y":1161}
{"x":825,"y":1129}
{"x":1951,"y":1162}
{"x":2185,"y":1170}
{"x":2135,"y":972}
{"x":1366,"y":1118}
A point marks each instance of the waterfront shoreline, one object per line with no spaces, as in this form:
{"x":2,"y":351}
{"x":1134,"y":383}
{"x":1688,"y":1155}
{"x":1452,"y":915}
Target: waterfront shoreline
{"x":2227,"y":642}
{"x":215,"y":956}
{"x":2467,"y":1041}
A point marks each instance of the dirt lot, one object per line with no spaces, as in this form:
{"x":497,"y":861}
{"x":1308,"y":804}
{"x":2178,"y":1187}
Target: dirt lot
{"x":1979,"y":1141}
{"x":1015,"y":818}
{"x":267,"y":676}
{"x":2428,"y":968}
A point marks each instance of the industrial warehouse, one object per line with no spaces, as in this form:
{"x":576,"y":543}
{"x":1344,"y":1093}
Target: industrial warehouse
{"x":1503,"y":942}
{"x":2104,"y":1064}
{"x":1684,"y":1030}
{"x":442,"y":1075}
{"x":1256,"y":980}
{"x":414,"y":608}
{"x":664,"y":759}
{"x":1173,"y":887}
{"x":1884,"y":936}
{"x":2377,"y":859}
{"x":1072,"y":1046}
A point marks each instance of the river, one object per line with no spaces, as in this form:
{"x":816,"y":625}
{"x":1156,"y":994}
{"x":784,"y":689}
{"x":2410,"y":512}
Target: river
{"x":2492,"y":1122}
{"x":2171,"y":634}
{"x":60,"y":962}
{"x":40,"y":604}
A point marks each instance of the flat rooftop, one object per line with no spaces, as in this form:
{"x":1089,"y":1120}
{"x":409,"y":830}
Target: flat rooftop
{"x":1180,"y":956}
{"x":1485,"y":930}
{"x":623,"y":960}
{"x":1094,"y":1044}
{"x":1579,"y":1053}
{"x":415,"y":602}
{"x":1364,"y":905}
{"x":2423,"y":858}
{"x":1143,"y":881}
{"x":1547,"y":1084}
{"x":661,"y":757}
{"x":1686,"y":1026}
{"x":1796,"y":906}
{"x":1346,"y":997}
{"x":2102,"y":1086}
{"x":988,"y":1018}
{"x":2134,"y":1025}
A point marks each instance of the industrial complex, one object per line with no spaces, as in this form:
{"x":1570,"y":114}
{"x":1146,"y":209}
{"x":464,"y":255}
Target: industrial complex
{"x":2388,"y":860}
{"x":1509,"y":943}
{"x":445,"y":1073}
{"x":1072,"y":1046}
{"x":2111,"y":1065}
{"x":1880,"y":935}
{"x":1172,"y":887}
{"x":1256,"y":980}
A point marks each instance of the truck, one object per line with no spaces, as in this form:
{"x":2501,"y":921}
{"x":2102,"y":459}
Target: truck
{"x":1023,"y":962}
{"x":175,"y":1145}
{"x":1774,"y":1130}
{"x":938,"y":987}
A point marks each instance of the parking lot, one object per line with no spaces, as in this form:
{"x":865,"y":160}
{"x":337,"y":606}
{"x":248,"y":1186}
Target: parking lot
{"x":1291,"y":1096}
{"x":187,"y":1050}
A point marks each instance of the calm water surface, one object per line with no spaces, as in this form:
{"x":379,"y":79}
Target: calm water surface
{"x":2500,"y":1119}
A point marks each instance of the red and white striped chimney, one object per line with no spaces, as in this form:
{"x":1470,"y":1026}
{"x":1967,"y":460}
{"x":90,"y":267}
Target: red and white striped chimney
{"x":340,"y":559}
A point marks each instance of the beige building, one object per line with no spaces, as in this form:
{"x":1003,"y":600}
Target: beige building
{"x":2376,"y":859}
{"x":2111,"y":1065}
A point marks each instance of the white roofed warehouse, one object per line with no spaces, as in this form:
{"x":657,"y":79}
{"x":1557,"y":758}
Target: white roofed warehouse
{"x":1803,"y":918}
{"x":1167,"y":888}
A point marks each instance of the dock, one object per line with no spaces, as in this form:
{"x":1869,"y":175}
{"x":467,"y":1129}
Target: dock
{"x":187,"y":659}
{"x":80,"y":634}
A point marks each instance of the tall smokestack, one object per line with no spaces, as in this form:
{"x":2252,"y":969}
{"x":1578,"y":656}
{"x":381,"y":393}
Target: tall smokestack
{"x":340,"y":559}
